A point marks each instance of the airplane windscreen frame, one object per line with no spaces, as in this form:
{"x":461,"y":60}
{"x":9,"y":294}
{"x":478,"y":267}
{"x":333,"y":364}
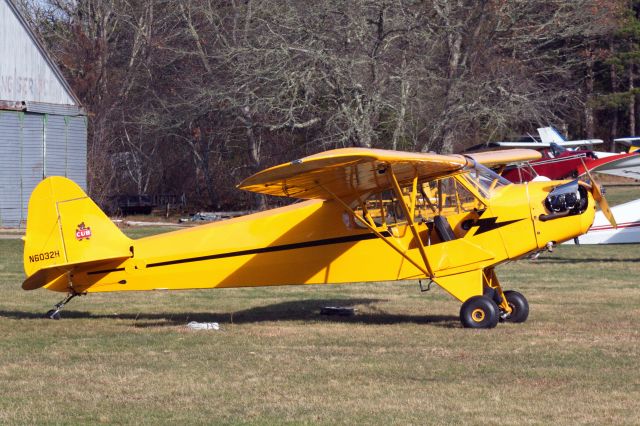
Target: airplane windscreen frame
{"x":483,"y":179}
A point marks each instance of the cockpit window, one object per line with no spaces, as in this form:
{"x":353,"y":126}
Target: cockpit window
{"x":557,"y":150}
{"x":446,"y":196}
{"x":380,"y":210}
{"x":442,"y":197}
{"x":484,"y":179}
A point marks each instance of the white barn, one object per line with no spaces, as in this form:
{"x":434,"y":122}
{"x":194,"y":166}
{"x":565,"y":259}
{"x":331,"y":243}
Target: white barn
{"x":43,"y":129}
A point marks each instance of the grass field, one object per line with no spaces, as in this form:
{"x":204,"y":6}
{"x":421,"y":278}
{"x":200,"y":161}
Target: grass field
{"x":403,"y":359}
{"x":621,"y":194}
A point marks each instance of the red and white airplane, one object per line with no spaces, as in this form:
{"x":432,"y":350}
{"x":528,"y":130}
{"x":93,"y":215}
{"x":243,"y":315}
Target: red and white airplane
{"x":569,"y":159}
{"x":562,"y":159}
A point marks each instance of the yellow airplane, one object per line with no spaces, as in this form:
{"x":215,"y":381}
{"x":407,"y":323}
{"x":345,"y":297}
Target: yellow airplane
{"x":368,"y":215}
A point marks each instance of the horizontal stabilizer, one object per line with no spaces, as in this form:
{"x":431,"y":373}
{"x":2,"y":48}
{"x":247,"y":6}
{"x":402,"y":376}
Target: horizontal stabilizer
{"x":56,"y":276}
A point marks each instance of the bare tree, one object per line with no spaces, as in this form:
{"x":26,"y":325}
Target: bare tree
{"x":195,"y":95}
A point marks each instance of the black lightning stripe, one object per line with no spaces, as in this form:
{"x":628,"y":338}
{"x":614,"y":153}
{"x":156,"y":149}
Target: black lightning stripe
{"x":491,"y":223}
{"x":305,"y":244}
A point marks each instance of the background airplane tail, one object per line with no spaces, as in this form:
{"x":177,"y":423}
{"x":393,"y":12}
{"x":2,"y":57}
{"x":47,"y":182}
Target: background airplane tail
{"x":549,"y":135}
{"x":66,"y":228}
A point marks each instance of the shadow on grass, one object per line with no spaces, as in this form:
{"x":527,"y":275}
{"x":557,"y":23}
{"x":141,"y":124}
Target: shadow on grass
{"x":581,"y":260}
{"x":298,"y":310}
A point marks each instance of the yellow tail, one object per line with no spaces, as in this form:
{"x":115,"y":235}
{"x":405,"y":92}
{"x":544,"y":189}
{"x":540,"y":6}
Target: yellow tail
{"x":65,"y":228}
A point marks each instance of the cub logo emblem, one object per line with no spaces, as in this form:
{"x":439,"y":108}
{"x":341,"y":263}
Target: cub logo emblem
{"x":83,"y":232}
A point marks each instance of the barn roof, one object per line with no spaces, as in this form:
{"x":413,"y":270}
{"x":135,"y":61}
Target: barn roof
{"x":31,"y":64}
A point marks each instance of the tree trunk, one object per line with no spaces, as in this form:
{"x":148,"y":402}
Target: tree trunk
{"x":588,"y":109}
{"x":398,"y":133}
{"x":614,"y":88}
{"x":254,"y":152}
{"x":632,"y":102}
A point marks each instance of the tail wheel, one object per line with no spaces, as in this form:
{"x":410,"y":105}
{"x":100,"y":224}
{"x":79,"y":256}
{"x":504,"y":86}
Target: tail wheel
{"x":519,"y":306}
{"x":53,"y":314}
{"x":479,"y":312}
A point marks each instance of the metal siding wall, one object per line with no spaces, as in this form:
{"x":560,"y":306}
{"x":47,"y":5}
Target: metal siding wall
{"x":23,"y":157}
{"x":32,"y":156}
{"x":10,"y":149}
{"x":55,"y":160}
{"x":77,"y":150}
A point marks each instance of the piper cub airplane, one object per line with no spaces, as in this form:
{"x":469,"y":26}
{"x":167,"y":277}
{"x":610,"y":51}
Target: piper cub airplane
{"x":368,"y":215}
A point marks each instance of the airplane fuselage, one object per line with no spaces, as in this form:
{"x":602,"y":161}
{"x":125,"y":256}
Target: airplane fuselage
{"x":316,"y":242}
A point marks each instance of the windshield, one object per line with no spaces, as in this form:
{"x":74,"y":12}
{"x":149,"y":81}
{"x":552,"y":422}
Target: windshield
{"x":484,"y":179}
{"x":557,"y":150}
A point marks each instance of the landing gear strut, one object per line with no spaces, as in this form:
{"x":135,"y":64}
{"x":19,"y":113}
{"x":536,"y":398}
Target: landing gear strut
{"x":519,"y":306}
{"x":54,"y":314}
{"x":494,"y":305}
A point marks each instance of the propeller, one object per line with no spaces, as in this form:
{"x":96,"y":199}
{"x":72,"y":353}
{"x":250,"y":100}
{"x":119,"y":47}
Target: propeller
{"x":598,"y":195}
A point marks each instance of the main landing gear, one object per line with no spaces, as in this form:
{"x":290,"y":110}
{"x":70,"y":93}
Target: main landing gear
{"x":493,"y":306}
{"x":519,"y":307}
{"x":479,"y":312}
{"x":54,"y":313}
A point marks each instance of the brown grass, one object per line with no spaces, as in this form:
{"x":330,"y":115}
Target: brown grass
{"x":403,"y":359}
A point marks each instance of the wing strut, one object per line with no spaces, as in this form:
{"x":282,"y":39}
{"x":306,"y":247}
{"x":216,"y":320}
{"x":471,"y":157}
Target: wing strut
{"x":426,"y":269}
{"x":409,"y":215}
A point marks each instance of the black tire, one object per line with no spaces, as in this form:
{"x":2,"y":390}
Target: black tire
{"x":492,"y":294}
{"x":479,"y":312}
{"x":52,"y":314}
{"x":519,"y":306}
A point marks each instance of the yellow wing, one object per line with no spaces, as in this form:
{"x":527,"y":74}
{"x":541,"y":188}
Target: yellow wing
{"x":504,"y":157}
{"x":348,"y":172}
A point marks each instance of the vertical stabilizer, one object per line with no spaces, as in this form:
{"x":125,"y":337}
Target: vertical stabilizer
{"x":549,"y":135}
{"x":65,"y":228}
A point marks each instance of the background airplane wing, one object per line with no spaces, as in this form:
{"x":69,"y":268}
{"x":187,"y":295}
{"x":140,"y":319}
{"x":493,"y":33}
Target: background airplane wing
{"x":625,"y":165}
{"x":534,"y":145}
{"x":349,"y":172}
{"x":627,"y":141}
{"x":539,"y":145}
{"x":581,"y":142}
{"x":548,"y":136}
{"x":632,"y":142}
